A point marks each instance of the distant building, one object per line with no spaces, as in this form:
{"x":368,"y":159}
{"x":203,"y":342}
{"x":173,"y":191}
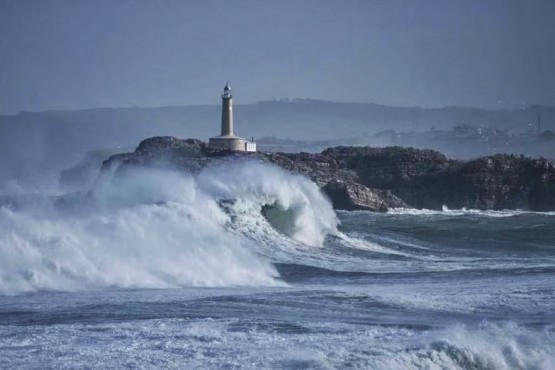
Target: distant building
{"x":227,"y":139}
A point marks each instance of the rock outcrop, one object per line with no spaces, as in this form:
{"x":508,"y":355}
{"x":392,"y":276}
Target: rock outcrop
{"x":352,"y":196}
{"x":364,"y":178}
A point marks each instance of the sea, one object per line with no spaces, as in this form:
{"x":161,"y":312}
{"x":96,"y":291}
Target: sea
{"x":246,"y":266}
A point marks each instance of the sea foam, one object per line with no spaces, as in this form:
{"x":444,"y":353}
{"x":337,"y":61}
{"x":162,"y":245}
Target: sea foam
{"x":445,"y":211}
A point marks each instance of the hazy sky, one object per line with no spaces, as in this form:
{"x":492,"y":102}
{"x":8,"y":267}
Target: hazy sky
{"x":57,"y":54}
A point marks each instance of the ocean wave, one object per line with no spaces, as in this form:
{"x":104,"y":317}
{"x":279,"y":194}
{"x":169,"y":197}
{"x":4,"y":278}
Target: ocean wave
{"x":291,"y":203}
{"x":157,"y":228}
{"x":490,"y":346}
{"x":254,"y":344}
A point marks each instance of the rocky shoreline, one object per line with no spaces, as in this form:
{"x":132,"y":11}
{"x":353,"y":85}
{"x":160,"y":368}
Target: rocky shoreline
{"x":376,"y":179}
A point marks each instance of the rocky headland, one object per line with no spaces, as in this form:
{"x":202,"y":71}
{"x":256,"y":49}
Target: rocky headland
{"x":376,"y":179}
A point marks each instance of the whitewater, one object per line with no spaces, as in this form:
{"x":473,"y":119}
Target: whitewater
{"x":244,"y":265}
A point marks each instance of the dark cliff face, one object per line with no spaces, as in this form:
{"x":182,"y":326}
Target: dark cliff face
{"x":427,"y":179}
{"x":376,"y":179}
{"x":498,"y":182}
{"x":390,"y":167}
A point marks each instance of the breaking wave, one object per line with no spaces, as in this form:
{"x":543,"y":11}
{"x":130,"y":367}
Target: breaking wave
{"x":490,"y":346}
{"x":160,"y":228}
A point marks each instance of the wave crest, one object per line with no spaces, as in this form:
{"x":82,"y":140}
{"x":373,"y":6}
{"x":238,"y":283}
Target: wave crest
{"x":291,"y":203}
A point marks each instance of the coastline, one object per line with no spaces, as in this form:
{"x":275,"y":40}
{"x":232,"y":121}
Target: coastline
{"x":377,"y":179}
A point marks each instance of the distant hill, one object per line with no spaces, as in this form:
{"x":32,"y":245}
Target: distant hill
{"x":34,"y":142}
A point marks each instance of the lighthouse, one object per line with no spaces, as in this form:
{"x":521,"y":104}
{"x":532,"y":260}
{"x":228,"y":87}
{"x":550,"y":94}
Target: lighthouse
{"x":227,"y":139}
{"x":227,"y":111}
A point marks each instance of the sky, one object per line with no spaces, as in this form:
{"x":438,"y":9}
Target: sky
{"x":74,"y":54}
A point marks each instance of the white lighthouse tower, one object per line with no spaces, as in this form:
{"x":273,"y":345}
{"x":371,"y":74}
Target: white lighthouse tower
{"x":227,"y":139}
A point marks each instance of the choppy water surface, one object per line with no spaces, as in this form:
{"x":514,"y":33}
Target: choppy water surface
{"x":169,"y":271}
